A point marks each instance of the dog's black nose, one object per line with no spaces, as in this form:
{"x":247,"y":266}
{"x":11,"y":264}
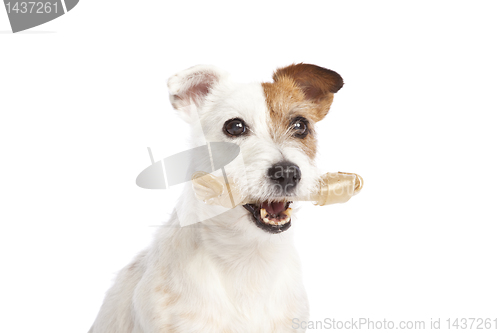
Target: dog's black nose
{"x":286,"y":175}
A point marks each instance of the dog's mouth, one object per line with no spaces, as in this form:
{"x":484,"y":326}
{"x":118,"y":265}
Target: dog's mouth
{"x":273,"y":217}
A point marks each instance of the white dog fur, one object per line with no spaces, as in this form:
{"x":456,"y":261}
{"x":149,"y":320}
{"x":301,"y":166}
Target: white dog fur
{"x":223,"y":274}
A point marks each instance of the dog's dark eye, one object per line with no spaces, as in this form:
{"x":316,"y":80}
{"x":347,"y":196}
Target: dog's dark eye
{"x":235,"y":127}
{"x":299,"y":127}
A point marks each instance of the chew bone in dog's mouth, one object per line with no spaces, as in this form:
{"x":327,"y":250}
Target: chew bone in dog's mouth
{"x":273,"y":217}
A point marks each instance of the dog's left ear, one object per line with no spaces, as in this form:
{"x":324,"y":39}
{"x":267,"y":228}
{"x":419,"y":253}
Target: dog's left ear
{"x":317,"y":84}
{"x":190,"y":88}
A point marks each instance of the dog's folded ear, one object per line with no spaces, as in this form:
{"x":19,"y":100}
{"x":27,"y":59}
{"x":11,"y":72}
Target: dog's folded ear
{"x":189,"y":88}
{"x":317,"y":84}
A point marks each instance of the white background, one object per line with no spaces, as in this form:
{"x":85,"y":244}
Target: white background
{"x":82,"y":97}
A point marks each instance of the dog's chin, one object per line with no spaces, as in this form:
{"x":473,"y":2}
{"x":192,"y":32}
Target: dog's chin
{"x":272,"y":217}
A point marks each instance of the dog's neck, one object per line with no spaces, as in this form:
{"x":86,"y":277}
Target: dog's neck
{"x":229,"y":253}
{"x":229,"y":237}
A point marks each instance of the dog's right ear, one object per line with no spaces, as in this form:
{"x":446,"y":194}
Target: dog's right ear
{"x":189,"y":88}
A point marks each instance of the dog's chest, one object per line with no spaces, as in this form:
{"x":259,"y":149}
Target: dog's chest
{"x":247,"y":298}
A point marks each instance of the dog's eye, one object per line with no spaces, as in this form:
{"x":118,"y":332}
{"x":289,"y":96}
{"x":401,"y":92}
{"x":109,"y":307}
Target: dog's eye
{"x":299,"y":127}
{"x":235,"y":127}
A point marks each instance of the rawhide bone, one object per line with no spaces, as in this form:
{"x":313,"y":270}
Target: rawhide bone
{"x":333,"y":188}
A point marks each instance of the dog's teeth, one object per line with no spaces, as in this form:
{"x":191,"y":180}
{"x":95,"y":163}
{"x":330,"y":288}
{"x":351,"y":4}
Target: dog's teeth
{"x":268,"y":220}
{"x":288,"y":212}
{"x":286,"y":220}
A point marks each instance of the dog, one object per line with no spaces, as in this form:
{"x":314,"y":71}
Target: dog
{"x":237,"y":270}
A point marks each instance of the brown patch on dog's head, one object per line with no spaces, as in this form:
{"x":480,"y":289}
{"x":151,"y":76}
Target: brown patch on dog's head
{"x":300,"y":90}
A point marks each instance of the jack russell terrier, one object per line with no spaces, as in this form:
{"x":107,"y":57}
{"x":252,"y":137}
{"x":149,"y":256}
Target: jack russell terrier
{"x":237,"y":271}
